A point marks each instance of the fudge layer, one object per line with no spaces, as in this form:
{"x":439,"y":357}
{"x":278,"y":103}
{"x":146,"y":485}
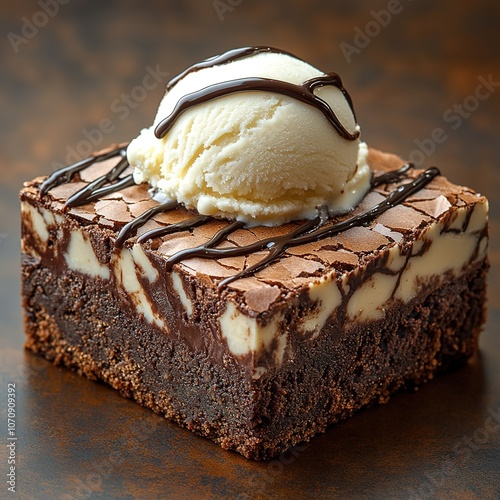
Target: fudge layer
{"x":273,"y":358}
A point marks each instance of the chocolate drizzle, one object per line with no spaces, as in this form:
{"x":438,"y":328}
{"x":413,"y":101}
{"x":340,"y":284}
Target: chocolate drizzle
{"x":229,"y":56}
{"x":103,"y":185}
{"x":312,"y":230}
{"x":185,"y":225}
{"x":138,"y":222}
{"x":306,"y":232}
{"x":303,"y":93}
{"x":66,"y":174}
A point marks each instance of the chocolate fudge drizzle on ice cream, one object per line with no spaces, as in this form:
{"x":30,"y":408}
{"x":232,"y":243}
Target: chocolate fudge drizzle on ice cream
{"x":303,"y":93}
{"x":316,"y":227}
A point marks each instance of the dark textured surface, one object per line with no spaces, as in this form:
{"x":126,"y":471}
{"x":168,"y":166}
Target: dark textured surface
{"x":78,"y":439}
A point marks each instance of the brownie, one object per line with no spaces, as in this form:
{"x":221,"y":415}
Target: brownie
{"x":260,"y":360}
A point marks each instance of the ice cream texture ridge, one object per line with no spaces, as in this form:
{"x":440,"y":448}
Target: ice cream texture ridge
{"x":258,"y":156}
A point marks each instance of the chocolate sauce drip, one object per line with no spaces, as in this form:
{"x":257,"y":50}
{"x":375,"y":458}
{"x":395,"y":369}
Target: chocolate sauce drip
{"x":273,"y":244}
{"x":311,"y":231}
{"x":131,"y":227}
{"x":184,"y":225}
{"x":394,"y":176}
{"x":333,"y":79}
{"x":229,"y":56}
{"x":394,"y":198}
{"x":66,"y":174}
{"x":303,"y":93}
{"x":307,"y":232}
{"x":102,"y":185}
{"x":276,"y":246}
{"x":199,"y":251}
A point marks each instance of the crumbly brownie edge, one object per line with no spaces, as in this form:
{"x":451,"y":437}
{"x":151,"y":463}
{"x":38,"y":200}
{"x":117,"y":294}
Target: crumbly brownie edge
{"x":78,"y":322}
{"x":355,"y":368}
{"x":263,"y":417}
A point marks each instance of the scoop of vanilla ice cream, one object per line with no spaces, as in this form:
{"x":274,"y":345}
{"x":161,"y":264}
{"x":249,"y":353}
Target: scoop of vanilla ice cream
{"x":259,"y":157}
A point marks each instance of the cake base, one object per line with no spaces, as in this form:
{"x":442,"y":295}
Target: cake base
{"x":78,"y":322}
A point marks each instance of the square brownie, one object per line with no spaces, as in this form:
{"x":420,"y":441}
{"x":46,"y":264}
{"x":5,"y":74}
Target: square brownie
{"x":257,"y":358}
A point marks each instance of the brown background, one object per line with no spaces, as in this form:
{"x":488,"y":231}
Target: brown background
{"x":79,"y":439}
